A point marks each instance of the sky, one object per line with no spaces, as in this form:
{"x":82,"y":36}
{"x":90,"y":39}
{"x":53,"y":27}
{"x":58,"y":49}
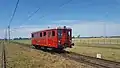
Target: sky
{"x":85,"y":17}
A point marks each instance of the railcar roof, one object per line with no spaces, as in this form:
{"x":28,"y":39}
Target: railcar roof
{"x":51,"y":29}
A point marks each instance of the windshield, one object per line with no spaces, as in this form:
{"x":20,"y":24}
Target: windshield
{"x":59,"y":34}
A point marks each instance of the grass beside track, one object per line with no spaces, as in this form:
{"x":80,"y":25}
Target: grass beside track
{"x":98,"y":40}
{"x":19,"y":56}
{"x":0,"y":54}
{"x":23,"y":41}
{"x":108,"y":52}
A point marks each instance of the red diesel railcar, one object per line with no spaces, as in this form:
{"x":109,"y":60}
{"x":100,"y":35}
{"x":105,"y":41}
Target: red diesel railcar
{"x":58,"y":38}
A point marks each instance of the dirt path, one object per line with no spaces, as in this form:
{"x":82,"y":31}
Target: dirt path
{"x":23,"y":57}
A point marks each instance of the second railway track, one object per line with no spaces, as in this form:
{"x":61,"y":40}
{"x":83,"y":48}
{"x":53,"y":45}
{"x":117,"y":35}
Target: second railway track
{"x":0,"y":54}
{"x":99,"y":63}
{"x":3,"y":55}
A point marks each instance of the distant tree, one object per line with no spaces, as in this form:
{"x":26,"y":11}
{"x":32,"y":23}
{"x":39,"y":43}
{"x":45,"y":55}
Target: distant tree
{"x":20,"y":38}
{"x":78,"y":36}
{"x":101,"y":36}
{"x":106,"y":36}
{"x":92,"y":37}
{"x":73,"y":37}
{"x":15,"y":38}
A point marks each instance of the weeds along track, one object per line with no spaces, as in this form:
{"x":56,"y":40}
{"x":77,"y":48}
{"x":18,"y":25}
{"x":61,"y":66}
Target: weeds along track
{"x":3,"y":55}
{"x":99,"y":63}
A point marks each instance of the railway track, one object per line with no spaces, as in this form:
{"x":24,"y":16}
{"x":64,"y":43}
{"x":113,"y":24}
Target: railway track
{"x":99,"y":63}
{"x":3,"y":55}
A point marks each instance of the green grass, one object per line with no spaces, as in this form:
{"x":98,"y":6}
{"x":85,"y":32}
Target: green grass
{"x":112,"y":46}
{"x":108,"y":51}
{"x":99,"y":40}
{"x":23,"y":41}
{"x":24,"y":57}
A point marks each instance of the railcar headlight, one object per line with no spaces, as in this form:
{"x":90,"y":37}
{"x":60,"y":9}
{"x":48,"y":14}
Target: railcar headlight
{"x":59,"y":42}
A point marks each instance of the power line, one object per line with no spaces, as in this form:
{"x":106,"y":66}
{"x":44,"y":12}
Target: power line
{"x":32,"y":15}
{"x":9,"y":24}
{"x":47,"y":14}
{"x":14,"y":12}
{"x":65,"y":3}
{"x":59,"y":7}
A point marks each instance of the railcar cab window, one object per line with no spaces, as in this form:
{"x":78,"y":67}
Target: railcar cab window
{"x":41,"y":34}
{"x":53,"y":33}
{"x":68,"y":33}
{"x":59,"y":33}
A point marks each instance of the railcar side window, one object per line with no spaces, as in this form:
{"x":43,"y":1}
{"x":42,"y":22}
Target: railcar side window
{"x":49,"y":34}
{"x":41,"y":34}
{"x":53,"y":33}
{"x":44,"y":33}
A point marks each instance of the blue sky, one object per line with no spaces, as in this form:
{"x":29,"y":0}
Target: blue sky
{"x":85,"y":17}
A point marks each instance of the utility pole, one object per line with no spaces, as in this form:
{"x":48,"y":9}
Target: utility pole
{"x":9,"y":25}
{"x":104,"y":32}
{"x":105,"y":28}
{"x":9,"y":32}
{"x":5,"y":38}
{"x":6,"y":34}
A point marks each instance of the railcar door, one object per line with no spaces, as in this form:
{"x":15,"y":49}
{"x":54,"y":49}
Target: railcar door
{"x":66,"y":37}
{"x":44,"y":38}
{"x":60,"y":40}
{"x":49,"y":38}
{"x":60,"y":35}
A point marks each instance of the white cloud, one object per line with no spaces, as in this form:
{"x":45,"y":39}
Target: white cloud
{"x":96,"y":29}
{"x":65,"y":21}
{"x":84,"y":28}
{"x":2,"y":33}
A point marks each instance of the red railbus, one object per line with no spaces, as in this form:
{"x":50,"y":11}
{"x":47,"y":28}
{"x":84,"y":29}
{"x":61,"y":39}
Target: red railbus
{"x":58,"y":38}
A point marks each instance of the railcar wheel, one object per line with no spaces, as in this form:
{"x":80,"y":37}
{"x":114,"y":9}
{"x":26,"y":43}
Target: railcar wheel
{"x":58,"y":50}
{"x":45,"y":48}
{"x":36,"y":46}
{"x":39,"y":47}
